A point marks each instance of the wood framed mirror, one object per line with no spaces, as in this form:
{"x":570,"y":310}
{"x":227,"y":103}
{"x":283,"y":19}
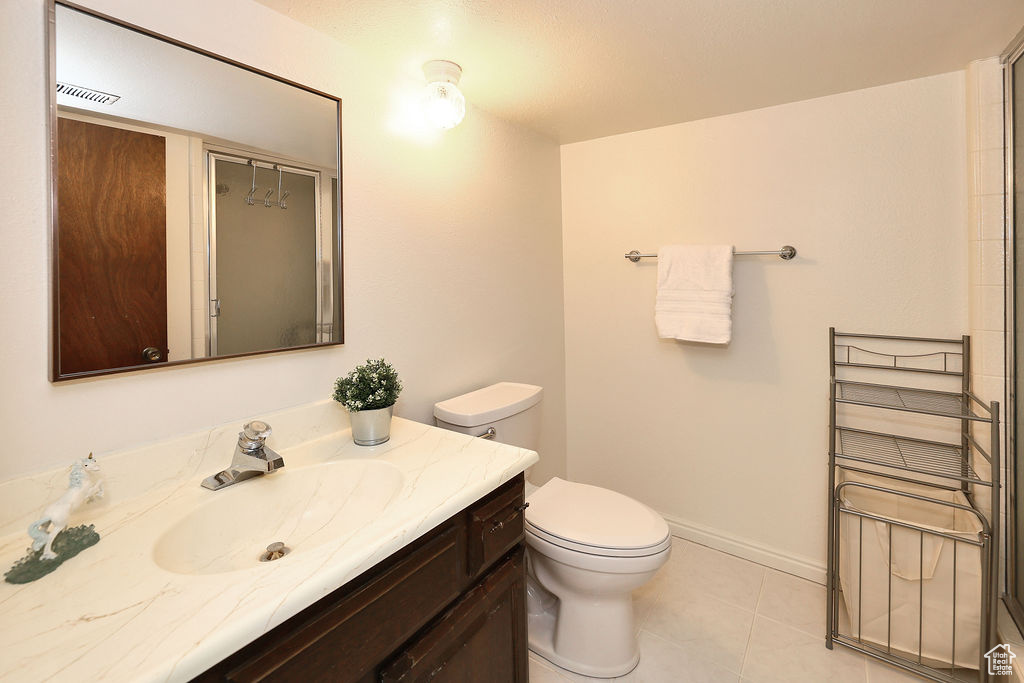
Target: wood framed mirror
{"x":196,"y":203}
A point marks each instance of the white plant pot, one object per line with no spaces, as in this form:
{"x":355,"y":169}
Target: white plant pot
{"x":371,"y":427}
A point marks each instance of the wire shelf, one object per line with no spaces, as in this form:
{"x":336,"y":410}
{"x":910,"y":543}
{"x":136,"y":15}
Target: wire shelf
{"x":905,"y":453}
{"x":926,"y":401}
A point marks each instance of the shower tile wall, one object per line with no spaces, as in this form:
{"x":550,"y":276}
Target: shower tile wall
{"x":986,"y":226}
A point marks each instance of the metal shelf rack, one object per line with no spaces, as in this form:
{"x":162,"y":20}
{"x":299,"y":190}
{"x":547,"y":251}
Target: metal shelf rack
{"x":919,"y":456}
{"x":911,"y":471}
{"x":907,"y":399}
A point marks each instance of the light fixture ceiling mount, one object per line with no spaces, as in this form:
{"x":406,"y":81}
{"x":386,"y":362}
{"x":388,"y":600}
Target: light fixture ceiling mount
{"x":444,"y":104}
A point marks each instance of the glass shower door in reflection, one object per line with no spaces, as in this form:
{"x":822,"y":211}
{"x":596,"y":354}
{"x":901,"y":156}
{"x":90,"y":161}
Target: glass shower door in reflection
{"x":264,"y":255}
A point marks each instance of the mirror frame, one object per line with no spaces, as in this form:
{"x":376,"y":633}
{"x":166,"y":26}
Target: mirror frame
{"x":54,"y":355}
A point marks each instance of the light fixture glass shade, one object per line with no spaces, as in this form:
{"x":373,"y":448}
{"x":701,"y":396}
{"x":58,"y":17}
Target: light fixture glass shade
{"x":444,"y":106}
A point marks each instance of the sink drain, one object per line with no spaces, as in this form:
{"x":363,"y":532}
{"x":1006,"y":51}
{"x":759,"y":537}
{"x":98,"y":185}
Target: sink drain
{"x":275,"y":551}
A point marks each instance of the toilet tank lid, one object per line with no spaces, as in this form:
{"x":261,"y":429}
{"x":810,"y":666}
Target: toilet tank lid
{"x":489,"y":404}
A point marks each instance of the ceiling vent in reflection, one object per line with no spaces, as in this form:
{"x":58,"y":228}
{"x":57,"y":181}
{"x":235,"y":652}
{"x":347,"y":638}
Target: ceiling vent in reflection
{"x":86,"y":93}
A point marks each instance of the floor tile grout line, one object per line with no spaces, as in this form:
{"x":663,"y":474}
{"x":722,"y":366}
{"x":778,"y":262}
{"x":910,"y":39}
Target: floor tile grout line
{"x":655,"y":599}
{"x":790,"y":626}
{"x":749,"y":561}
{"x":760,"y":567}
{"x":746,"y":609}
{"x":689,"y":653}
{"x":864,"y":658}
{"x":750,"y":632}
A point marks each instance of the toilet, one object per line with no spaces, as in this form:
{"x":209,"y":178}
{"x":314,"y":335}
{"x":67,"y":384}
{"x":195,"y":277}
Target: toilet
{"x":588,"y":548}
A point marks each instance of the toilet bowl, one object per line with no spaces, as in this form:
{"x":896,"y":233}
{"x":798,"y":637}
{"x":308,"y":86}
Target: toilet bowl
{"x":588,"y":548}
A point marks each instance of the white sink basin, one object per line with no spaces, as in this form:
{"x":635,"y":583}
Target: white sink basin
{"x":302,"y":508}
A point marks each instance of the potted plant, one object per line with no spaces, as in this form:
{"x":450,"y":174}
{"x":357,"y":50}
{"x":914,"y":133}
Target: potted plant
{"x":369,"y":393}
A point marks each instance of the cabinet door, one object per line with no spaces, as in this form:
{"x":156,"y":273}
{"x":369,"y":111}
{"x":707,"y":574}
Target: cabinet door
{"x":481,"y":638}
{"x":495,"y":525}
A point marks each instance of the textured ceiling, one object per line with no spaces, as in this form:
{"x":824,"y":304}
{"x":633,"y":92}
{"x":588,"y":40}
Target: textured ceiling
{"x":580,"y":69}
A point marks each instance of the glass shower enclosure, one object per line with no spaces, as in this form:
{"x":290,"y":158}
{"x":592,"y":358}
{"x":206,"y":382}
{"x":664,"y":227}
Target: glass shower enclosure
{"x":1014,"y":109}
{"x":266,"y":263}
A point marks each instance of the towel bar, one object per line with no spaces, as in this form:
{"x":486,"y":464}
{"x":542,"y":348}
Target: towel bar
{"x":786,"y":253}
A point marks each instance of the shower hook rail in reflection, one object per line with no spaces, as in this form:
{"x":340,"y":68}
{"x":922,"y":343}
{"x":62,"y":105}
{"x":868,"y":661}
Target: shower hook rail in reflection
{"x":249,"y":196}
{"x":785,"y":253}
{"x":282,"y":196}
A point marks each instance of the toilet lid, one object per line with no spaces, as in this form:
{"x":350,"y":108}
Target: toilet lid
{"x":594,"y":517}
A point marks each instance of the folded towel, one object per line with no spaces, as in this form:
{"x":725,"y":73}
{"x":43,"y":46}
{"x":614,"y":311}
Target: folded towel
{"x":694,"y":301}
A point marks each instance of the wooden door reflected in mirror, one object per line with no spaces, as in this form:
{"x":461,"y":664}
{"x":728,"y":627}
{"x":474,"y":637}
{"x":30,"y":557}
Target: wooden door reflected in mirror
{"x":112,"y":247}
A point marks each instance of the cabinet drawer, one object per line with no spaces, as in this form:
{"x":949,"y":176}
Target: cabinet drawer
{"x":495,"y":525}
{"x":346,"y":641}
{"x":481,"y":638}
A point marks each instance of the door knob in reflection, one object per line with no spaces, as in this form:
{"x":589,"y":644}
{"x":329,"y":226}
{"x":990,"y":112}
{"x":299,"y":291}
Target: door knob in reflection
{"x":152,"y":354}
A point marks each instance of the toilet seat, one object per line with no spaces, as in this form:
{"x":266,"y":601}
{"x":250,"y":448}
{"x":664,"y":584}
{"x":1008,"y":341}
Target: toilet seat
{"x":599,"y":551}
{"x":598,"y":564}
{"x":595,"y":521}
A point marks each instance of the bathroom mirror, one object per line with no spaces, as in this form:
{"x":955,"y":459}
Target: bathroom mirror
{"x":196,"y":203}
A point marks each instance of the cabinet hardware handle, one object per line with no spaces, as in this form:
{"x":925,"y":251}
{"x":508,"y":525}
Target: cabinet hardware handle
{"x":501,"y":525}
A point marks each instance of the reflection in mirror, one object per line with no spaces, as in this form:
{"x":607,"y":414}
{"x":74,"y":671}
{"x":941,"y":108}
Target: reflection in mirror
{"x":197,"y":204}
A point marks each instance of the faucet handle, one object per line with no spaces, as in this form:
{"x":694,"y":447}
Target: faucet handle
{"x":257,"y":430}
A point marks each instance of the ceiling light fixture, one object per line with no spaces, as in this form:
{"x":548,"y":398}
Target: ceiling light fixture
{"x":444,"y":105}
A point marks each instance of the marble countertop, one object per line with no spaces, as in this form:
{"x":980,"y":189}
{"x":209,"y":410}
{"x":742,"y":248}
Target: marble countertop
{"x":113,"y":613}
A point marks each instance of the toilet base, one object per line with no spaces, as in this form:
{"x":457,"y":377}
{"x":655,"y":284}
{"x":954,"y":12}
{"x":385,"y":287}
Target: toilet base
{"x":580,"y":606}
{"x":541,"y":640}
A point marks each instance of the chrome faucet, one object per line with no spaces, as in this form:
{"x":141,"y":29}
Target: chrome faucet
{"x":252,"y":458}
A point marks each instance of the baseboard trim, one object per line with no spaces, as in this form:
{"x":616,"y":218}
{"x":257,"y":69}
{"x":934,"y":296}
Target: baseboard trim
{"x":747,"y":549}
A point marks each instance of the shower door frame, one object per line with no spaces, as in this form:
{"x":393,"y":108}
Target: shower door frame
{"x":1011,"y":600}
{"x":212,"y":154}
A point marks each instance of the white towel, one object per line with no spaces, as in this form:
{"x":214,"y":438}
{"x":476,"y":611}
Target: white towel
{"x":694,"y":301}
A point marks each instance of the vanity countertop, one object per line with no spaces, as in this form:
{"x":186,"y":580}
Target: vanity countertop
{"x":113,"y":613}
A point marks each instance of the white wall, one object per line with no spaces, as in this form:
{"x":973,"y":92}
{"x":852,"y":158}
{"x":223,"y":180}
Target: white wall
{"x":452,"y":255}
{"x":730,"y":442}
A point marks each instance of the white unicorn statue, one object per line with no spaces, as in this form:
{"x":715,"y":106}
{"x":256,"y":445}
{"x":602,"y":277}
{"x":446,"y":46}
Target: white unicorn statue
{"x":81,"y":489}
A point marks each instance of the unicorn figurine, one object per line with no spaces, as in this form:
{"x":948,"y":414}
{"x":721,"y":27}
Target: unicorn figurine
{"x":81,"y":489}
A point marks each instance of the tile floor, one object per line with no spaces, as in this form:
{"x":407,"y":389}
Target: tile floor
{"x":709,"y":617}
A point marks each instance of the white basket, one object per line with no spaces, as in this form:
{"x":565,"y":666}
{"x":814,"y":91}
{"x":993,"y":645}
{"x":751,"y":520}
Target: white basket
{"x":920,"y":575}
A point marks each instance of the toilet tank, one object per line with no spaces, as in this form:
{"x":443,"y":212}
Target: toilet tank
{"x":508,"y":407}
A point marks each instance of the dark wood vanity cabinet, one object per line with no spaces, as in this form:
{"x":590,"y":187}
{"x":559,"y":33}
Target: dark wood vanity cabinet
{"x":451,"y":606}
